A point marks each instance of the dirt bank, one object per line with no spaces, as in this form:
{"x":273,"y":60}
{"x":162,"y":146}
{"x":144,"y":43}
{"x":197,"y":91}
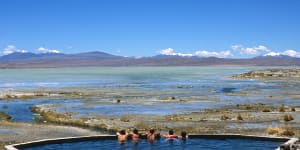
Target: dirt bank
{"x":14,"y":132}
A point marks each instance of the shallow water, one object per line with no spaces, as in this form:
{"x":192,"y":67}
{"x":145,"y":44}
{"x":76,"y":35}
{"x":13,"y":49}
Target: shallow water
{"x":202,"y":87}
{"x":207,"y":144}
{"x":20,"y":109}
{"x":144,"y":77}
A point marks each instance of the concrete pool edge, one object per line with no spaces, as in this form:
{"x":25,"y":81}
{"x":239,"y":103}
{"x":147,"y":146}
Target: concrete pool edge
{"x":58,"y":141}
{"x":288,"y":141}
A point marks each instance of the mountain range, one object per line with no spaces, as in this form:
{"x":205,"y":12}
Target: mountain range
{"x":47,"y":60}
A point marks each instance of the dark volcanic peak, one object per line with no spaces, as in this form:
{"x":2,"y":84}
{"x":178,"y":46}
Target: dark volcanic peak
{"x":18,"y":56}
{"x":96,"y":54}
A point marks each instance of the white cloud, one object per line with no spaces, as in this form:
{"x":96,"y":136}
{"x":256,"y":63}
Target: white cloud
{"x":46,"y":50}
{"x":12,"y":49}
{"x":272,"y":54}
{"x":201,"y":53}
{"x":171,"y":52}
{"x":236,"y":47}
{"x":204,"y":53}
{"x":168,"y":51}
{"x":291,"y":53}
{"x":251,"y":50}
{"x":262,"y":48}
{"x":245,"y":51}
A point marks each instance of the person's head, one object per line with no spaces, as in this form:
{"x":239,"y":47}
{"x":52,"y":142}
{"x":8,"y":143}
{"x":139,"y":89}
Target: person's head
{"x":151,"y":130}
{"x":183,"y":133}
{"x":122,"y":132}
{"x":171,"y":132}
{"x":135,"y":131}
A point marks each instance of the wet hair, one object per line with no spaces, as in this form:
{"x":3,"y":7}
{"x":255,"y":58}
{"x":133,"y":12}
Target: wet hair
{"x":183,"y":133}
{"x":171,"y":132}
{"x":135,"y":131}
{"x":151,"y":130}
{"x":122,"y":132}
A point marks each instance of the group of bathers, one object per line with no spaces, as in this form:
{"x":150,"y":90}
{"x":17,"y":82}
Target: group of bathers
{"x":151,"y":136}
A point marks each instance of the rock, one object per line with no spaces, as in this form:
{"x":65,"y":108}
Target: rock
{"x":172,"y":98}
{"x":4,"y":107}
{"x":167,"y":98}
{"x":184,"y":86}
{"x":4,"y":116}
{"x":228,"y":90}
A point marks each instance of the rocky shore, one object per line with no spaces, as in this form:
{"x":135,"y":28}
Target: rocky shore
{"x":271,"y":73}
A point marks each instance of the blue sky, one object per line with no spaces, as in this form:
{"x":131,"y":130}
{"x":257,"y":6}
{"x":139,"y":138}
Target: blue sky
{"x":222,"y":28}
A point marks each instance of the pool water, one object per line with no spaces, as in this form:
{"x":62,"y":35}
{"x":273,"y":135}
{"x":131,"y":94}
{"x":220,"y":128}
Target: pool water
{"x":195,"y":143}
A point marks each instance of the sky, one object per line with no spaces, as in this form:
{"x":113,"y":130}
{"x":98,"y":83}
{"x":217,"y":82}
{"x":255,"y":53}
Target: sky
{"x":219,"y":28}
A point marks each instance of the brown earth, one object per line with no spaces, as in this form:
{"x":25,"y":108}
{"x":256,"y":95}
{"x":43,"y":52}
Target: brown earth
{"x":15,"y":132}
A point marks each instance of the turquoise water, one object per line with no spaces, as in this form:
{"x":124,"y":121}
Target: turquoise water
{"x":206,"y":87}
{"x":190,"y":144}
{"x":146,"y":77}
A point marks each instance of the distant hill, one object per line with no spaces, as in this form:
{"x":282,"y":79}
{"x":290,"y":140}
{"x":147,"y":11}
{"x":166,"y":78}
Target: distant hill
{"x":93,"y":55}
{"x":31,"y":60}
{"x":275,"y":56}
{"x":17,"y":56}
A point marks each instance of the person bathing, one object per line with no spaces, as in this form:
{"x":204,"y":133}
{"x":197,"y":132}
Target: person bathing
{"x":171,"y":135}
{"x":122,"y":136}
{"x":135,"y":136}
{"x":151,"y":135}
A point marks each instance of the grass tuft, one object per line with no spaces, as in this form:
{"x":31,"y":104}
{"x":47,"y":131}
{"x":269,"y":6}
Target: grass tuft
{"x":288,"y":117}
{"x":266,"y":110}
{"x":282,"y":108}
{"x":125,"y":118}
{"x":293,"y":109}
{"x":239,"y":117}
{"x":280,"y":131}
{"x":225,"y":117}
